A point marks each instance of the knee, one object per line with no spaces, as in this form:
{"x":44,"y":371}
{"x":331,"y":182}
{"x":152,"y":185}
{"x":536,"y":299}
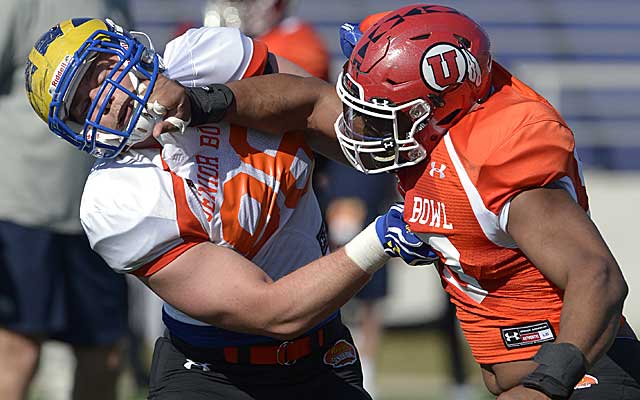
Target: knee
{"x":21,"y":353}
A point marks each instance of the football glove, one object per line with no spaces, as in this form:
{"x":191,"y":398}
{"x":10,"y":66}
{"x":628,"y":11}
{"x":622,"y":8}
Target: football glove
{"x":349,"y":34}
{"x":398,"y":241}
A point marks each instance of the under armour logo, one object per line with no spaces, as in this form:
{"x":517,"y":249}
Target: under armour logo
{"x":440,"y":170}
{"x":388,"y":143}
{"x":201,"y":366}
{"x":512,"y":336}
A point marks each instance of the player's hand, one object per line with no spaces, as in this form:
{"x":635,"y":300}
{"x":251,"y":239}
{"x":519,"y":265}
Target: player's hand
{"x":522,"y":393}
{"x":350,"y":33}
{"x":398,"y":241}
{"x":169,"y":99}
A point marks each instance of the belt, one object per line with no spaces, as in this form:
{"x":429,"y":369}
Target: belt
{"x":287,"y":352}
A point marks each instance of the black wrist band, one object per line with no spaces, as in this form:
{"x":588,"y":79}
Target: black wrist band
{"x":547,"y":385}
{"x":561,"y":366}
{"x":209,"y":103}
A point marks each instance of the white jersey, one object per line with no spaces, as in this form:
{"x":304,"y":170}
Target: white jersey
{"x":221,"y":183}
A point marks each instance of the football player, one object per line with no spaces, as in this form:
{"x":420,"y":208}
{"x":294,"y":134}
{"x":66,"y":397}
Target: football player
{"x":220,"y":221}
{"x":491,"y":181}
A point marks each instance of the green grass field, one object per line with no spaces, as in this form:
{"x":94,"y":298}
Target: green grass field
{"x":415,"y":366}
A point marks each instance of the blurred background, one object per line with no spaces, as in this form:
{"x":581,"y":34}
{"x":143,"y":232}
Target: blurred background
{"x":582,"y":55}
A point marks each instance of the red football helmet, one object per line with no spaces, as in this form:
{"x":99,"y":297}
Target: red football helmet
{"x":410,"y":77}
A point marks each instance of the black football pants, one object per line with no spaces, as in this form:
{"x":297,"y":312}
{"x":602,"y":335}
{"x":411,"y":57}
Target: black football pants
{"x":309,"y":378}
{"x":617,"y":374}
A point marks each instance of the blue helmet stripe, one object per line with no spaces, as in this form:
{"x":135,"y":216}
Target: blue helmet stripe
{"x":43,"y":44}
{"x":79,"y":21}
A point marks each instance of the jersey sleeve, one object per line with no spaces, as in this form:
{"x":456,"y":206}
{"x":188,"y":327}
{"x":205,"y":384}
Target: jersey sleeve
{"x":536,"y":155}
{"x":210,"y":55}
{"x":129,"y":216}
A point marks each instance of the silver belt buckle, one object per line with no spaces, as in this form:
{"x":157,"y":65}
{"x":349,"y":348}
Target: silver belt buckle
{"x":282,"y":349}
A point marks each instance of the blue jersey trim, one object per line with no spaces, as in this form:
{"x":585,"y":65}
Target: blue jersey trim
{"x":211,"y":336}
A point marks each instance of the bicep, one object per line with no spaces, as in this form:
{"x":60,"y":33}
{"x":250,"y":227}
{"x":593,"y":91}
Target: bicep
{"x":212,"y":284}
{"x":555,"y":233}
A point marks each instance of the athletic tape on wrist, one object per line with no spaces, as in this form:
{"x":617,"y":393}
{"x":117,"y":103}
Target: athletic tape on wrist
{"x":366,"y":251}
{"x":209,"y":103}
{"x":561,"y":366}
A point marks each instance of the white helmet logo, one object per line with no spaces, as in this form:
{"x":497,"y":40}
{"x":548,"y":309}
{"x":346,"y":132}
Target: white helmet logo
{"x":444,"y":65}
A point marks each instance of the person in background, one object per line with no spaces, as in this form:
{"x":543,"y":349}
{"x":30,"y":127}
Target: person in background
{"x":270,"y":21}
{"x":52,"y":285}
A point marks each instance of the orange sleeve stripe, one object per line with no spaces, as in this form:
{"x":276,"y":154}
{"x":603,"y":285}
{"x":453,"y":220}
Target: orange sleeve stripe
{"x":190,"y":229}
{"x":164,"y":260}
{"x":189,"y":226}
{"x":258,"y":59}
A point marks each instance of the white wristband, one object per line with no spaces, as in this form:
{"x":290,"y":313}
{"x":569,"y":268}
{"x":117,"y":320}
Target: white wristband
{"x":366,"y":251}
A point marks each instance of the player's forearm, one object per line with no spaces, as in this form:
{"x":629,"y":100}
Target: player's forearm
{"x":589,"y":321}
{"x":592,"y":308}
{"x":249,"y":301}
{"x":281,"y":102}
{"x":276,"y":103}
{"x":301,"y":300}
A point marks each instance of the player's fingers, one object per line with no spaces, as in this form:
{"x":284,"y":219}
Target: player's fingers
{"x":164,"y":127}
{"x":157,"y":108}
{"x":179,"y":123}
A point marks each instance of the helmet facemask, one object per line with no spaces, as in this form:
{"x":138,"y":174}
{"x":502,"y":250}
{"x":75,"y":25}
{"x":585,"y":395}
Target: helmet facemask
{"x":376,"y":135}
{"x":135,"y":61}
{"x":423,"y":67}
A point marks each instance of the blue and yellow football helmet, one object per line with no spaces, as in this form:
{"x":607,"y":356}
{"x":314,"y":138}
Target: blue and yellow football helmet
{"x":57,"y":64}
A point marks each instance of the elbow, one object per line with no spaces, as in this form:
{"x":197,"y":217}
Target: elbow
{"x":607,"y":281}
{"x":282,"y":321}
{"x":257,"y":323}
{"x":286,"y":330}
{"x":616,"y":286}
{"x":621,"y":292}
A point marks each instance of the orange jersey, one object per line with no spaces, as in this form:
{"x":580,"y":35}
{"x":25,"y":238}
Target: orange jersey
{"x":298,"y":42}
{"x":459,"y":201}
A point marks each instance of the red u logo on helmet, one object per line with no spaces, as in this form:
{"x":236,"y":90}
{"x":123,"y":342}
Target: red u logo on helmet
{"x":443,"y":65}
